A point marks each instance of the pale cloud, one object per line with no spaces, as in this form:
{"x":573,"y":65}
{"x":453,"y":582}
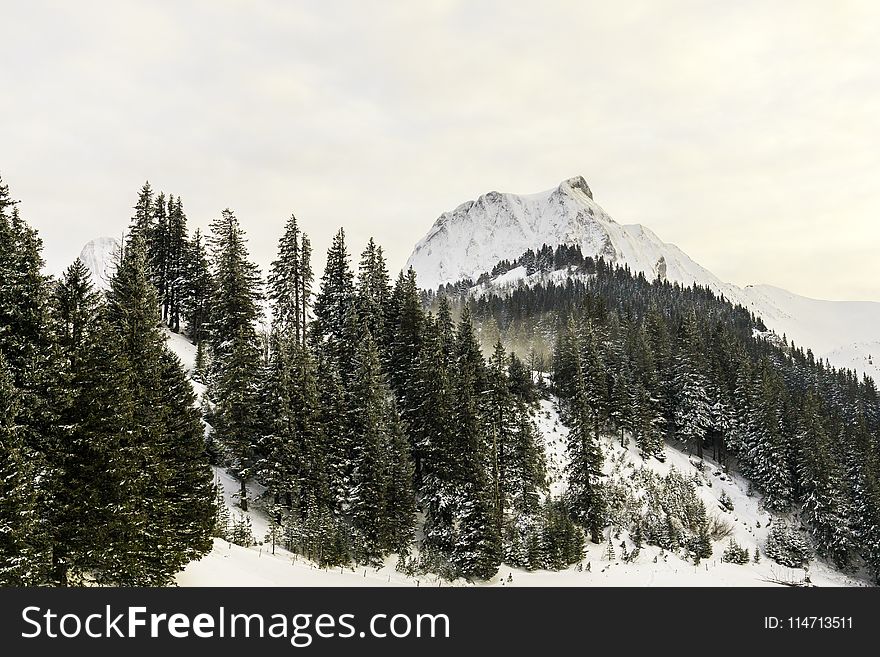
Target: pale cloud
{"x":747,"y":133}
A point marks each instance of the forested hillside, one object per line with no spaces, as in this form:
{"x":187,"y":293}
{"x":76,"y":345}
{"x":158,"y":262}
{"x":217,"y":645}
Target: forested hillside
{"x":375,"y":418}
{"x":656,"y":361}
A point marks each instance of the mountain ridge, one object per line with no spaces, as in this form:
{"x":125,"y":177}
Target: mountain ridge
{"x":471,"y":239}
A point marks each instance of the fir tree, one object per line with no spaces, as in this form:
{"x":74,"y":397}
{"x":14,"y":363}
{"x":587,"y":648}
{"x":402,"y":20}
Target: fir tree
{"x":141,"y":226}
{"x":89,"y":509}
{"x":169,"y":513}
{"x":235,"y":345}
{"x":584,"y":496}
{"x":24,"y":554}
{"x":285,"y":282}
{"x":821,"y":487}
{"x":373,"y":290}
{"x":477,"y":550}
{"x":196,"y":289}
{"x":177,"y":265}
{"x":692,"y":407}
{"x":369,"y":424}
{"x":334,"y":309}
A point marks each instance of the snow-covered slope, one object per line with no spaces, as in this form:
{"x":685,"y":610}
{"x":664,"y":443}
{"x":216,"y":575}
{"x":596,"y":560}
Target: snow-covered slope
{"x":847,"y":333}
{"x":99,"y":256}
{"x":475,"y":236}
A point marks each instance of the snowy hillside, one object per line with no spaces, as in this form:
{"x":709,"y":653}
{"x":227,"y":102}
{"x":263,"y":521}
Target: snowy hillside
{"x":847,"y":333}
{"x":99,"y":256}
{"x":475,"y":236}
{"x":232,"y":565}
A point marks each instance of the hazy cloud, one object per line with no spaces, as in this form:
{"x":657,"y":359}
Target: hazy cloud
{"x":747,"y":133}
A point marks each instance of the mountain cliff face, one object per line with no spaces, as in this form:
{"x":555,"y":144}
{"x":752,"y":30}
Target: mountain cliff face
{"x":99,"y":256}
{"x":473,"y":238}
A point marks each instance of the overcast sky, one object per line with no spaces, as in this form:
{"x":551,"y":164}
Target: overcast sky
{"x":747,"y":133}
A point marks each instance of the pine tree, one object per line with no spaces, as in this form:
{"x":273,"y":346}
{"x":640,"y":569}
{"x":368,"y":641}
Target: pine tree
{"x":373,"y":290}
{"x":26,"y":423}
{"x":235,"y":347}
{"x":142,"y":223}
{"x":158,"y":247}
{"x":405,"y":325}
{"x":285,"y":282}
{"x":822,"y":499}
{"x":477,"y":550}
{"x":433,"y":438}
{"x":88,"y":460}
{"x":502,"y":427}
{"x":692,"y":407}
{"x":24,"y":305}
{"x":370,"y":479}
{"x":280,"y":451}
{"x":334,"y":310}
{"x":169,"y":514}
{"x":767,"y":445}
{"x":400,"y":496}
{"x":584,"y":495}
{"x":187,"y":494}
{"x":305,"y":280}
{"x":196,"y":289}
{"x":177,"y":265}
{"x":24,"y":554}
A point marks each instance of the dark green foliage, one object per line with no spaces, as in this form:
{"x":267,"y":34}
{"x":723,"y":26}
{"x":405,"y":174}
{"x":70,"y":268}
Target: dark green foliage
{"x":582,"y":412}
{"x":824,"y":506}
{"x":290,"y":281}
{"x":196,"y":289}
{"x":169,"y":514}
{"x":235,"y":348}
{"x":378,"y":494}
{"x":24,"y":550}
{"x":547,"y":540}
{"x":334,"y":310}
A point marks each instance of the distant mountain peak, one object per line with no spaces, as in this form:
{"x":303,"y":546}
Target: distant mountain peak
{"x":576,"y":183}
{"x":475,"y":236}
{"x":100,"y":256}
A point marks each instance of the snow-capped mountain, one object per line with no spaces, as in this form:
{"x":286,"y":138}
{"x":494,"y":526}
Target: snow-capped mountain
{"x":99,"y":256}
{"x":471,"y":239}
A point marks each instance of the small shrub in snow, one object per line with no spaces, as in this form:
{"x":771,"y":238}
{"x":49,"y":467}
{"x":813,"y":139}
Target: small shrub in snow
{"x":660,"y":510}
{"x":735,"y":553}
{"x":725,"y":501}
{"x":241,"y":532}
{"x":787,"y":547}
{"x":719,"y":528}
{"x":546,"y":539}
